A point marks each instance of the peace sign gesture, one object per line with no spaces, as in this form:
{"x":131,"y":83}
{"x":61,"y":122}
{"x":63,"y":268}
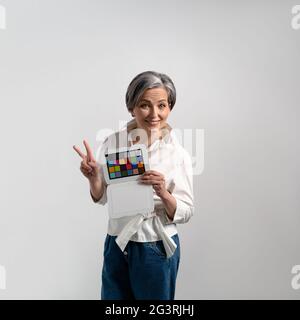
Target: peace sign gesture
{"x":88,"y":165}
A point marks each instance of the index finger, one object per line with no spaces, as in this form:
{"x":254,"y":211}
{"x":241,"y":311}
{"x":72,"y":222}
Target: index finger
{"x":89,"y":151}
{"x":153,"y":172}
{"x":79,"y":152}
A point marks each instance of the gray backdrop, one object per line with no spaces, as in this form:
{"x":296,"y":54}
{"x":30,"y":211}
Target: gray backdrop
{"x":64,"y":69}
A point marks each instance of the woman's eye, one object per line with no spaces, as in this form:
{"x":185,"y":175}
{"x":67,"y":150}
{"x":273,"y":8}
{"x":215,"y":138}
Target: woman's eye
{"x":144,"y":106}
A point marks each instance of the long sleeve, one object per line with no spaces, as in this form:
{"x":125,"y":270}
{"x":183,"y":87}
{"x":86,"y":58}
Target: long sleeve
{"x":182,"y":191}
{"x":103,"y":199}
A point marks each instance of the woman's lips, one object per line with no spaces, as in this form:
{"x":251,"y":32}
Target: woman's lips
{"x":152,"y":122}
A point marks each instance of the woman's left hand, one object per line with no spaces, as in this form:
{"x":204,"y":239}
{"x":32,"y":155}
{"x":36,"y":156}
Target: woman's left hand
{"x":157,"y":180}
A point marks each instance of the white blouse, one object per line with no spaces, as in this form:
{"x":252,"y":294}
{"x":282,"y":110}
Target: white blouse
{"x":168,"y":157}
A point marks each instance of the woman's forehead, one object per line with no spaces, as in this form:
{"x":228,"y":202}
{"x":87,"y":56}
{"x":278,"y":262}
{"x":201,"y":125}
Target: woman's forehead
{"x":155,"y":93}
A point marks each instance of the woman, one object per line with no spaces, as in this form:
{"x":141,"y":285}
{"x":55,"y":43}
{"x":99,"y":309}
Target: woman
{"x":145,"y":264}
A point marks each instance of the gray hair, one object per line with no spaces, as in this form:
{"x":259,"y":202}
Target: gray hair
{"x":148,"y":80}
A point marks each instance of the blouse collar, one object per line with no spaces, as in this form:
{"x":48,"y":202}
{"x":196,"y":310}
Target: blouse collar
{"x":165,"y":136}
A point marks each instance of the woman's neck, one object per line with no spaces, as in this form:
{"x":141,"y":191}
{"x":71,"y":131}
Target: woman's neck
{"x":152,"y":135}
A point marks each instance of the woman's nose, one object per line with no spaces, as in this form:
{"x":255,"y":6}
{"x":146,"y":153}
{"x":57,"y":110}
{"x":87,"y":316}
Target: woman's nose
{"x":154,"y":112}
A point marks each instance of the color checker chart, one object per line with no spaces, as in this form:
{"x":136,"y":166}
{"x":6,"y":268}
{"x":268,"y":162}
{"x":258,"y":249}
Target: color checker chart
{"x":125,"y":164}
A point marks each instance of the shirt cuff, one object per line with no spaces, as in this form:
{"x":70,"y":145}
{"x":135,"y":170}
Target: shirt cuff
{"x":102,"y":200}
{"x":183,"y":213}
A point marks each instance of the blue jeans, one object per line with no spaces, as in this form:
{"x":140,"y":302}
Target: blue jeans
{"x":141,"y":272}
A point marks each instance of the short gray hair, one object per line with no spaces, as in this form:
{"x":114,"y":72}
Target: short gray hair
{"x":149,"y":80}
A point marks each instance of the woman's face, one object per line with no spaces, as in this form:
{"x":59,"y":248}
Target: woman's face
{"x":152,"y":110}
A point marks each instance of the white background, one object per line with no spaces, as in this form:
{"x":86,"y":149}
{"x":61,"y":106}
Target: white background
{"x":64,"y":70}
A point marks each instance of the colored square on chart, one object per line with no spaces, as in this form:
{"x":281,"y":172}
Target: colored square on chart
{"x":122,"y":161}
{"x":125,"y":164}
{"x":128,"y":166}
{"x":132,"y":159}
{"x":141,"y":170}
{"x":123,"y":167}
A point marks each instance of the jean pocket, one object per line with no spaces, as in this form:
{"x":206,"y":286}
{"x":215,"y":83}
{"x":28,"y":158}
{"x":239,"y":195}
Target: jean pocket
{"x":157,"y":248}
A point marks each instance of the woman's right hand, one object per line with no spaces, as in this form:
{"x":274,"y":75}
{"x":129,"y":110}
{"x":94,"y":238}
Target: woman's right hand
{"x":88,"y":166}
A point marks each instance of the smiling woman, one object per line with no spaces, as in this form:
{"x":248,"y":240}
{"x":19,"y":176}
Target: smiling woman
{"x":150,"y":98}
{"x":142,"y":254}
{"x":152,"y":111}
